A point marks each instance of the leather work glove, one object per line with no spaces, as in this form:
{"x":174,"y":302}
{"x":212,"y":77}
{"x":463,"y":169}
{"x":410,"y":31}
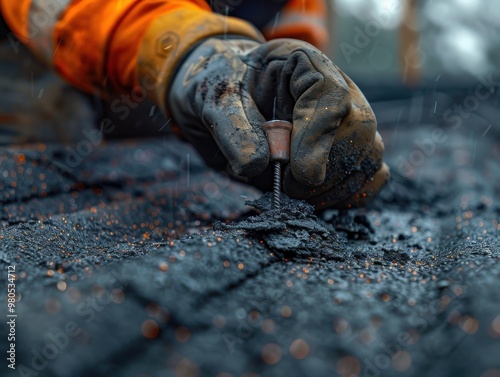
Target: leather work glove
{"x":227,"y":88}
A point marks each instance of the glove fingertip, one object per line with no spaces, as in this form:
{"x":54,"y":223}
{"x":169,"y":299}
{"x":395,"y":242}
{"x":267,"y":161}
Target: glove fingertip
{"x":251,"y":160}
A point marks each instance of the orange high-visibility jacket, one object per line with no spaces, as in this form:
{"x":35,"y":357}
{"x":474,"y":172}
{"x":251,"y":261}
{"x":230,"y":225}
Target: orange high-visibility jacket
{"x":115,"y":45}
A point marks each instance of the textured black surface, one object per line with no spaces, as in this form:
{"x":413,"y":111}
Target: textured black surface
{"x":121,"y":246}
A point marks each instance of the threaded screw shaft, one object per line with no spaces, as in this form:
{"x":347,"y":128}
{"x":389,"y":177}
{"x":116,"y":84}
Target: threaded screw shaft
{"x":277,"y":186}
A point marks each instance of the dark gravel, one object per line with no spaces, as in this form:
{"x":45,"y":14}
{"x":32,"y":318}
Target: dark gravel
{"x":120,"y":271}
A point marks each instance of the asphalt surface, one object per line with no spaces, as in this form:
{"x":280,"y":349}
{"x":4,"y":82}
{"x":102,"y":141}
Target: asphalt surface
{"x":135,"y":260}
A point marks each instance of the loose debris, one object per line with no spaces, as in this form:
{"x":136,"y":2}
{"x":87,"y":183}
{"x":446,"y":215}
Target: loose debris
{"x":293,"y":232}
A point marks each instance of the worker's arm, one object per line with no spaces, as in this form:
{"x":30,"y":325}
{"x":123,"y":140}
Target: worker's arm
{"x":95,"y":44}
{"x":219,"y":80}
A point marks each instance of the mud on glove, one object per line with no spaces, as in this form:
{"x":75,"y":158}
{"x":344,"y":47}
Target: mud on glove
{"x":227,"y":88}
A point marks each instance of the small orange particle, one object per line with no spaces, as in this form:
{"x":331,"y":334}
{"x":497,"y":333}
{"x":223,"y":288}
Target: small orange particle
{"x":150,"y":329}
{"x":61,"y":285}
{"x":254,"y":317}
{"x":495,"y":326}
{"x":341,"y":325}
{"x":299,"y":349}
{"x":117,"y":296}
{"x":271,"y":353}
{"x":286,"y":311}
{"x":469,"y":325}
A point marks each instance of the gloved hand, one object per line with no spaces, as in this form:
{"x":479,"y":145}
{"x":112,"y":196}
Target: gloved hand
{"x":226,"y":89}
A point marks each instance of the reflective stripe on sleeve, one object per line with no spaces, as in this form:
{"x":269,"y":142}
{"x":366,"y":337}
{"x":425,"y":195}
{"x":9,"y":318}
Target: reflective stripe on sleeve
{"x":43,"y":15}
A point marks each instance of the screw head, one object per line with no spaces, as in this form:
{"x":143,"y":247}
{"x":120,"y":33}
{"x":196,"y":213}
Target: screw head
{"x":278,"y":135}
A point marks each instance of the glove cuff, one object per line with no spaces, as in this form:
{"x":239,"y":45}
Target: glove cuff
{"x":171,"y":37}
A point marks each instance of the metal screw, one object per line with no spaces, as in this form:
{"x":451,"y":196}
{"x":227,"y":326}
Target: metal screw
{"x":278,"y":136}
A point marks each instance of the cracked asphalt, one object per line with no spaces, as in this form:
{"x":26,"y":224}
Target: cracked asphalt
{"x":138,"y":261}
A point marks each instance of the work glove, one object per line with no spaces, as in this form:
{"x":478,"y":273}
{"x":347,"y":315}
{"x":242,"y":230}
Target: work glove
{"x":226,"y":89}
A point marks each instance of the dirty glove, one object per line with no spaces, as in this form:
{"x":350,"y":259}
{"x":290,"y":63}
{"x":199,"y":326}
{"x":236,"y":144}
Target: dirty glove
{"x":226,"y":89}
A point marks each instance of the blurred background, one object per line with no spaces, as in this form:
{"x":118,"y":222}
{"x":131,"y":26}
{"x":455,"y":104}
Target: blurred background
{"x":410,"y":40}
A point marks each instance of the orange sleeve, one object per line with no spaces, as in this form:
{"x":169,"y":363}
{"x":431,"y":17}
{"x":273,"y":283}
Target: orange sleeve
{"x":96,"y":44}
{"x":99,"y":40}
{"x":302,"y":19}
